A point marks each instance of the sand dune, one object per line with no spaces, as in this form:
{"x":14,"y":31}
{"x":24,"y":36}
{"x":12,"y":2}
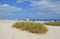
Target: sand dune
{"x":8,"y":32}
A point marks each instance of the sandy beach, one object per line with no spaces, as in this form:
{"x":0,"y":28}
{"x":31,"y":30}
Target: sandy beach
{"x":8,"y":32}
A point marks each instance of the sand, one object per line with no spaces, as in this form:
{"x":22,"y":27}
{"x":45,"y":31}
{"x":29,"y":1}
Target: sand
{"x":8,"y":32}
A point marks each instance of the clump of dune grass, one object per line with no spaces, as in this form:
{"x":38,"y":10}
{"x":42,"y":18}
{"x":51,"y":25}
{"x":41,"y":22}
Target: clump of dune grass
{"x":31,"y":27}
{"x":53,"y":23}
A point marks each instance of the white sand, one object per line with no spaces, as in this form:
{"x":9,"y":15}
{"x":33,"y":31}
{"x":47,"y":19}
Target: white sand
{"x":7,"y":32}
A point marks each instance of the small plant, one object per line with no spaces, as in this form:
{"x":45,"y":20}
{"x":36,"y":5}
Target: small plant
{"x":53,"y":23}
{"x":31,"y":27}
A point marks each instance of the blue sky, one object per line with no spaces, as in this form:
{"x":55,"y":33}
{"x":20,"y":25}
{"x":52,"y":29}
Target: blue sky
{"x":29,"y":9}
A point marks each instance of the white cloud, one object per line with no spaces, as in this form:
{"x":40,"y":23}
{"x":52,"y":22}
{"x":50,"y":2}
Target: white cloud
{"x":21,"y":1}
{"x":46,"y":5}
{"x":51,"y":5}
{"x":8,"y":8}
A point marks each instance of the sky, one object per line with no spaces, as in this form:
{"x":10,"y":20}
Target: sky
{"x":29,"y":9}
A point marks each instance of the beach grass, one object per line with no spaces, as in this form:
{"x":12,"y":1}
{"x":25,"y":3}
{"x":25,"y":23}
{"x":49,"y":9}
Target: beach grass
{"x":53,"y":23}
{"x":31,"y":27}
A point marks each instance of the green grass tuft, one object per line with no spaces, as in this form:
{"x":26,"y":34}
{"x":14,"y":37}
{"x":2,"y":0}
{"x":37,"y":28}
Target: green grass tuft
{"x":31,"y":27}
{"x":53,"y":23}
